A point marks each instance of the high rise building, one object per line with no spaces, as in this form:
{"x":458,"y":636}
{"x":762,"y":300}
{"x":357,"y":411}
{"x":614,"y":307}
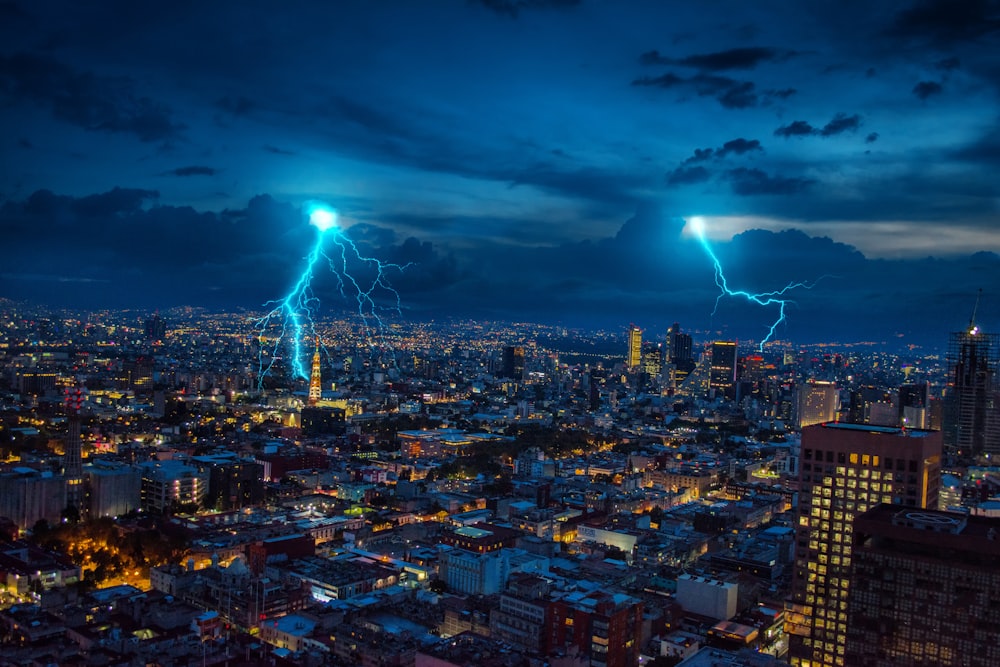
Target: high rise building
{"x":73,"y":456}
{"x":652,"y":359}
{"x":924,"y":589}
{"x":679,"y":352}
{"x":156,"y":328}
{"x":513,"y":362}
{"x":634,"y":359}
{"x":845,"y":470}
{"x":817,"y":403}
{"x":316,"y":378}
{"x":722,"y":374}
{"x":914,"y":405}
{"x":972,"y":415}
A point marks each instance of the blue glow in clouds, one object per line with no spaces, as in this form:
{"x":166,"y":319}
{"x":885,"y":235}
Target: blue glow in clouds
{"x":697,"y":226}
{"x":293,"y":316}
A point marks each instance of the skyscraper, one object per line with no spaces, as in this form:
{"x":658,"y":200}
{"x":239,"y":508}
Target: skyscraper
{"x":679,"y":353}
{"x":155,"y":328}
{"x":73,"y":457}
{"x":722,"y":374}
{"x":652,"y":359}
{"x":924,"y":589}
{"x":914,"y":405}
{"x":634,"y":359}
{"x":315,"y":378}
{"x":845,"y":470}
{"x":817,"y":403}
{"x":972,"y":416}
{"x":513,"y":362}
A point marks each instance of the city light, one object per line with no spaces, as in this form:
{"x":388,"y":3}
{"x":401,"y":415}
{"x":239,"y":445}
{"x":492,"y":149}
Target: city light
{"x":358,"y":277}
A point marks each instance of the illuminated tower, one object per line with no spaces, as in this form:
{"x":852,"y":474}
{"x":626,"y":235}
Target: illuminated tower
{"x":972,"y":418}
{"x":845,"y":470}
{"x":72,"y":458}
{"x":315,"y":379}
{"x":817,"y":403}
{"x":634,"y":359}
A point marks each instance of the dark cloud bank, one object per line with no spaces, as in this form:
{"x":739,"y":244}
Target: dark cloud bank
{"x":120,"y":249}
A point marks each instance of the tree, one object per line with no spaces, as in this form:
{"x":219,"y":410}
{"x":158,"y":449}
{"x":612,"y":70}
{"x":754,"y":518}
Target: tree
{"x":71,"y":514}
{"x":437,"y":586}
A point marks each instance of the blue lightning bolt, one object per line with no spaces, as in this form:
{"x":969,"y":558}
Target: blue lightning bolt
{"x":294,"y":315}
{"x":760,"y":298}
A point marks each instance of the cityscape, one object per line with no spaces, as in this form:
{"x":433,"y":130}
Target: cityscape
{"x":499,"y":333}
{"x":527,"y":494}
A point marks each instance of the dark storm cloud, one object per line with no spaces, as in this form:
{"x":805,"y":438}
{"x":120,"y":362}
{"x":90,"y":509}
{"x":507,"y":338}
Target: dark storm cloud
{"x":731,"y":93}
{"x":871,"y":138}
{"x":798,"y":128}
{"x":236,"y":256}
{"x":688,"y":175}
{"x":24,"y":143}
{"x":983,"y":150}
{"x":700,"y":155}
{"x":839,"y":124}
{"x":739,"y":58}
{"x":738,"y":146}
{"x":90,"y":101}
{"x":424,"y":141}
{"x":945,"y":22}
{"x":274,"y":150}
{"x":117,"y":202}
{"x":514,"y":7}
{"x":948,"y":64}
{"x":925,"y":89}
{"x":748,"y":182}
{"x":194,"y":170}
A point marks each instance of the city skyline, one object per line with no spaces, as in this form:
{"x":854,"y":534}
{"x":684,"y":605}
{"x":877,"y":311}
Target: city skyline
{"x":531,"y":159}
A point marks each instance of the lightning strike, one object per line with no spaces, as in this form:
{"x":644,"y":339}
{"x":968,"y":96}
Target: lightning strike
{"x":697,"y":227}
{"x":294,"y":315}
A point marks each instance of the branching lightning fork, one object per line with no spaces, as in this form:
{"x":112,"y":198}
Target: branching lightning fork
{"x":760,"y":298}
{"x":294,"y":314}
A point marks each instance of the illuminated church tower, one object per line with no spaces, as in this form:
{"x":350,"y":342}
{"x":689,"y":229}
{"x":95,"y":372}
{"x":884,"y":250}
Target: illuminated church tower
{"x":315,"y":381}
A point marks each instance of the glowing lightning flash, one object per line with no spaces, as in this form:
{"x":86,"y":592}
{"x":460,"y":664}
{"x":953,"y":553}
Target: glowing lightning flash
{"x":294,"y":313}
{"x":697,"y":226}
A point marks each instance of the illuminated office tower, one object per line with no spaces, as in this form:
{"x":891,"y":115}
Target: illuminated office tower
{"x":924,"y":589}
{"x":315,"y":378}
{"x":722,"y":374}
{"x":845,"y":470}
{"x":634,"y":359}
{"x":972,"y":416}
{"x":652,"y":359}
{"x":817,"y":403}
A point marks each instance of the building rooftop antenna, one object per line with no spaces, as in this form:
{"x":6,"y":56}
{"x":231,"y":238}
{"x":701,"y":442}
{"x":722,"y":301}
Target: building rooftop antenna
{"x":972,"y":320}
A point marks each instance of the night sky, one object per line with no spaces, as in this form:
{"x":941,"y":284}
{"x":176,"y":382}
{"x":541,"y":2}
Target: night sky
{"x":535,"y":160}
